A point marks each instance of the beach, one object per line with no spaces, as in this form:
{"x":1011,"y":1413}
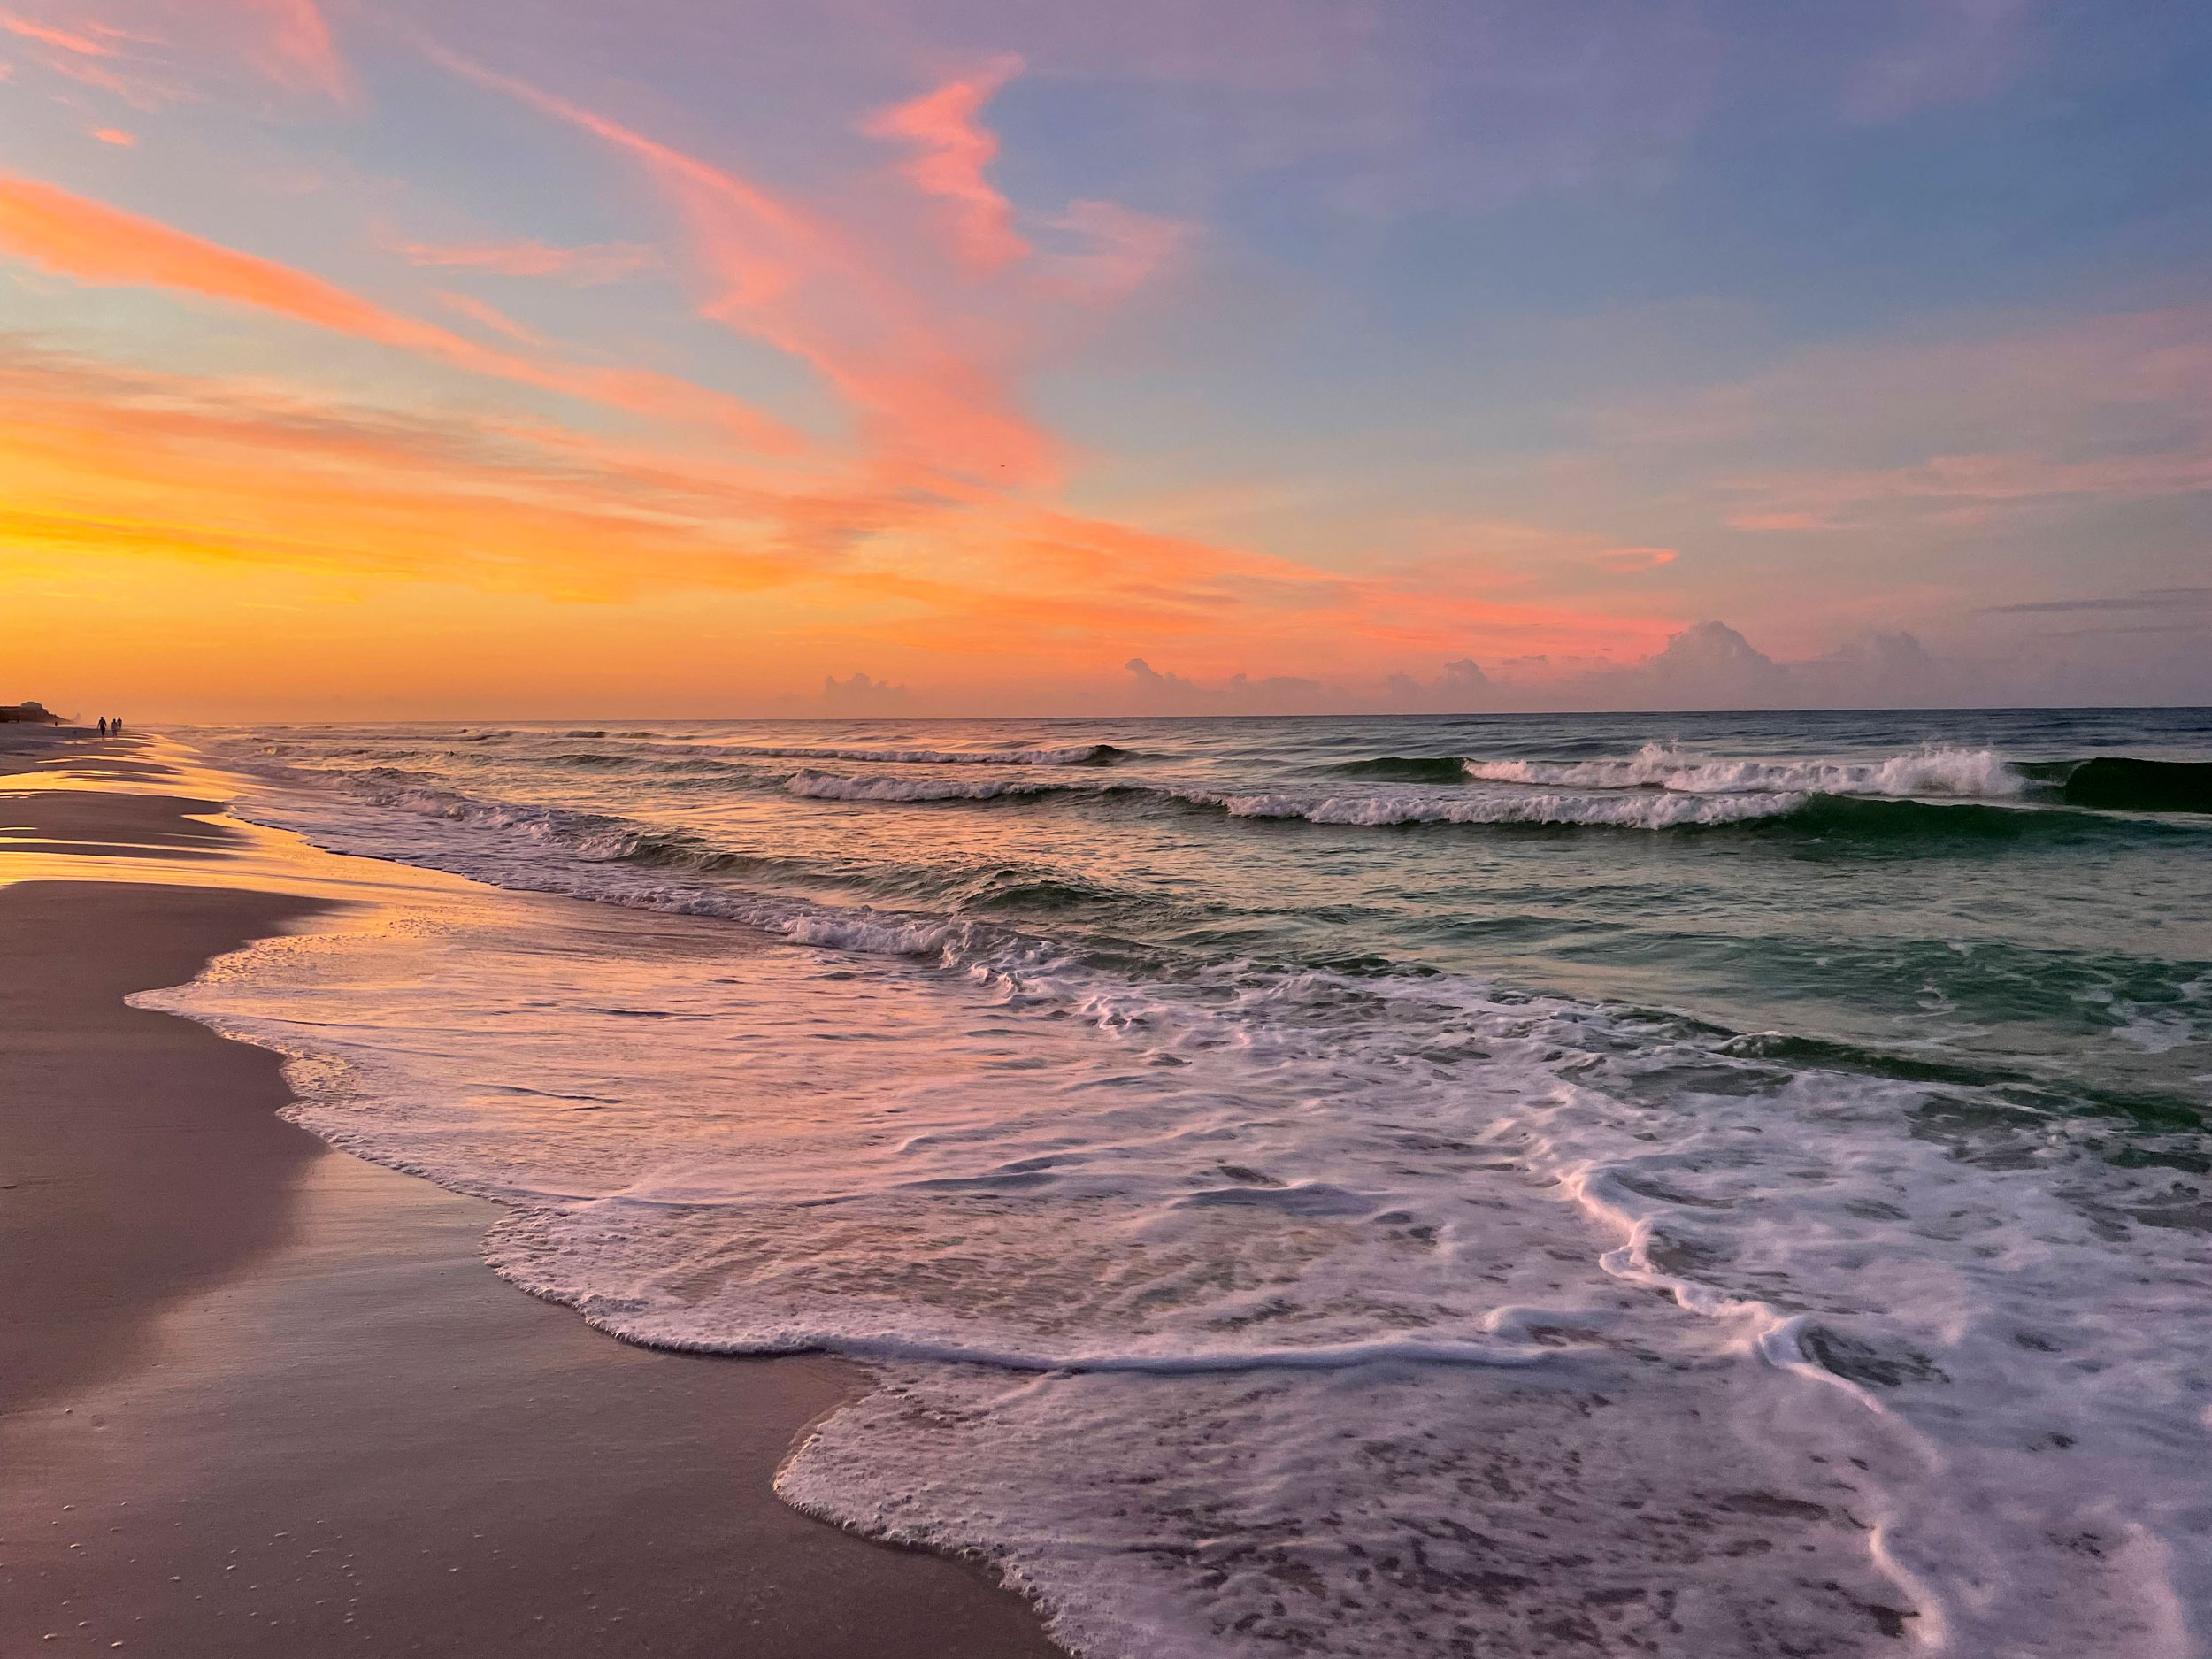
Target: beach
{"x":265,"y":1398}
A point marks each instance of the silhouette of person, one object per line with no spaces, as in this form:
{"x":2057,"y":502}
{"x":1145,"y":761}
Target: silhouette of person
{"x":103,"y":725}
{"x":115,"y":726}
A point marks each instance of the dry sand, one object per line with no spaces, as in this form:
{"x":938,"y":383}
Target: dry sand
{"x":264,"y":1399}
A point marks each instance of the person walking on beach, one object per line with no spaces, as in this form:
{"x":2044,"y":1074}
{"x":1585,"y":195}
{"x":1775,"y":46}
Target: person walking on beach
{"x":103,"y":725}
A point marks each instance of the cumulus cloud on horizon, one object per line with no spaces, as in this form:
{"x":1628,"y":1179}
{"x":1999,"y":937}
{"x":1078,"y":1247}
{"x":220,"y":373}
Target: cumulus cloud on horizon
{"x":1710,"y":665}
{"x":858,"y":697}
{"x":1706,"y":665}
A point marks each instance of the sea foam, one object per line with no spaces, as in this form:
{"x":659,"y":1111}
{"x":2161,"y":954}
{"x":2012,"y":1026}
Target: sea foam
{"x":1978,"y":774}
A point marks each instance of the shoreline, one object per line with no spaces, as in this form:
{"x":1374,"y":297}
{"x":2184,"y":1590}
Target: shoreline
{"x":263,"y":1397}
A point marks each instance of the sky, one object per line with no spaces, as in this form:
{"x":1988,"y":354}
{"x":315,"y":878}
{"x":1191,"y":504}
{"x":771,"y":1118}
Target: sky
{"x":388,"y":359}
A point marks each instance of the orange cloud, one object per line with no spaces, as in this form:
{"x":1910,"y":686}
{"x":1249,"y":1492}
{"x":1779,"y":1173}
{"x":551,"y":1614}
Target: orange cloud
{"x":587,"y":266}
{"x":96,"y":243}
{"x":114,"y":135}
{"x":955,"y":148}
{"x":93,"y":459}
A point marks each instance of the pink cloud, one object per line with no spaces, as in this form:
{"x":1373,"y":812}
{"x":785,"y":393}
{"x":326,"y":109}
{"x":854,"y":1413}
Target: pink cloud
{"x":288,"y":42}
{"x":285,"y":42}
{"x":2026,"y":419}
{"x":114,"y":135}
{"x":1962,"y":489}
{"x":1778,"y":521}
{"x":589,"y":266}
{"x":1125,"y":250}
{"x":1959,"y":51}
{"x":954,"y":149}
{"x":1627,"y":560}
{"x":95,"y":54}
{"x":926,"y":395}
{"x":83,"y":45}
{"x":498,"y":321}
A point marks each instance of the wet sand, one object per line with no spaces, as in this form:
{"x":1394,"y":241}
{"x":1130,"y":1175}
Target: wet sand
{"x":262,"y":1398}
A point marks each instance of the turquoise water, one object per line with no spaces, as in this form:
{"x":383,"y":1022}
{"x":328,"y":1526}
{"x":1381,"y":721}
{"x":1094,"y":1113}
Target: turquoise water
{"x":1951,"y":915}
{"x":1752,"y":1164}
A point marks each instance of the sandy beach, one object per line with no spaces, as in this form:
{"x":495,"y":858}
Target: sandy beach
{"x":264,"y":1398}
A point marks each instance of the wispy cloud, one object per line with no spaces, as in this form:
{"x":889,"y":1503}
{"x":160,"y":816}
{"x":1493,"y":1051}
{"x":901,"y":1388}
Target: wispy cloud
{"x":2012,"y":422}
{"x":290,"y":42}
{"x":589,"y":266}
{"x":803,"y":284}
{"x":94,"y":243}
{"x":83,"y":45}
{"x":1117,"y":250}
{"x":1626,"y":561}
{"x":1950,"y":51}
{"x":954,"y":149}
{"x":98,"y":460}
{"x":175,"y":51}
{"x":491,"y":317}
{"x":2151,"y":599}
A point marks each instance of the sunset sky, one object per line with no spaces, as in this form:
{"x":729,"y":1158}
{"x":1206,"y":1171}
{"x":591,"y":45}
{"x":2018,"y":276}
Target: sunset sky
{"x":712,"y":358}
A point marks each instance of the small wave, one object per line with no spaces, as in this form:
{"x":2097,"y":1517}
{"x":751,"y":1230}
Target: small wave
{"x":829,"y":786}
{"x":1806,"y":1052}
{"x":1974,"y":773}
{"x":592,"y":837}
{"x":1030,"y":890}
{"x":1406,"y":768}
{"x":1966,"y":822}
{"x":1077,"y":755}
{"x":2121,"y":784}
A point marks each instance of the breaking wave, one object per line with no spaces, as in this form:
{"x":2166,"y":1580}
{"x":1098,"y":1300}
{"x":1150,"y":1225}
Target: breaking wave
{"x":2122,"y":784}
{"x":1972,"y":773}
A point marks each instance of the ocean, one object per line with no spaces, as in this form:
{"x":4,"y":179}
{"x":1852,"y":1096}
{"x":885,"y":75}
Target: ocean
{"x":1729,"y":1183}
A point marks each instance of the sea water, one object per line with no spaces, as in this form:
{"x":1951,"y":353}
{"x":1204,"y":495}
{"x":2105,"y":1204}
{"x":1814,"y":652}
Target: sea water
{"x":1727,"y":1184}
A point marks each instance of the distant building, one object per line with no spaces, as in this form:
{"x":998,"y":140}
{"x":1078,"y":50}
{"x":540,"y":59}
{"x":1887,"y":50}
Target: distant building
{"x":28,"y":713}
